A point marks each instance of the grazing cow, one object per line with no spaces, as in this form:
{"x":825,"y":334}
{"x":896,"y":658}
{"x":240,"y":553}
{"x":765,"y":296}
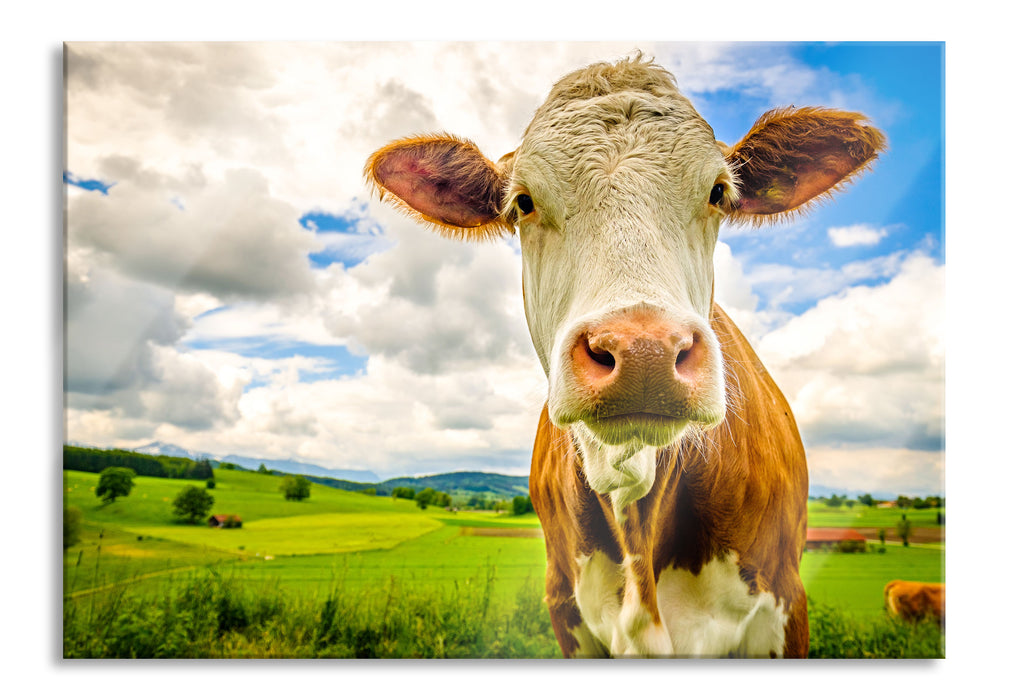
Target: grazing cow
{"x":914,"y":601}
{"x":667,"y":471}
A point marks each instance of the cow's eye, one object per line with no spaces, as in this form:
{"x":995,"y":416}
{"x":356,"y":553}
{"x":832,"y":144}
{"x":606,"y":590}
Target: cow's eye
{"x":717,"y":192}
{"x":525,"y":204}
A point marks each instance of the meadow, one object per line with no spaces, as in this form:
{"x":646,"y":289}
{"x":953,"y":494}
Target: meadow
{"x":349,"y":575}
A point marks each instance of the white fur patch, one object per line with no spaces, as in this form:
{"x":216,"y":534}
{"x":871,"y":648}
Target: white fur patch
{"x":714,"y":613}
{"x":626,"y":472}
{"x":711,"y":614}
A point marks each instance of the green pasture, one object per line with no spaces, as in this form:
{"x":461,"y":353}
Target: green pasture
{"x":334,"y":538}
{"x":358,"y":544}
{"x":854,"y":582}
{"x":860,"y":515}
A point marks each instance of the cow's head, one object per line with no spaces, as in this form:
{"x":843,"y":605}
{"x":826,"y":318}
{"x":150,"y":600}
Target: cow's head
{"x":618,"y":190}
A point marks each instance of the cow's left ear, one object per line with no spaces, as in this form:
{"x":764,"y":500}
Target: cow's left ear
{"x":444,"y":181}
{"x":792,"y":157}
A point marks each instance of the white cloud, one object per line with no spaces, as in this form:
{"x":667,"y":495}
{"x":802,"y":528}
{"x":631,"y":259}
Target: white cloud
{"x":878,"y":469}
{"x":231,"y":239}
{"x":857,"y":234}
{"x":867,"y":366}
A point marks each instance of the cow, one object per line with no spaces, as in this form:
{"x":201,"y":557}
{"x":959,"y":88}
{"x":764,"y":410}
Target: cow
{"x":667,"y":470}
{"x":914,"y":601}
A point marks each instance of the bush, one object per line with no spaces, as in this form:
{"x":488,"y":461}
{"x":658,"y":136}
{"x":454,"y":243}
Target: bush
{"x":73,"y":520}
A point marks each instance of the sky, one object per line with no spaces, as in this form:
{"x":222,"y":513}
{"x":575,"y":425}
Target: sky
{"x":232,"y":287}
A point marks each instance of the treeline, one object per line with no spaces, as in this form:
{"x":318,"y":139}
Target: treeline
{"x":868,"y":500}
{"x":477,"y":490}
{"x":90,"y":459}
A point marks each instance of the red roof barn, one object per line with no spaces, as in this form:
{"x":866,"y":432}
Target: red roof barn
{"x":224,"y":520}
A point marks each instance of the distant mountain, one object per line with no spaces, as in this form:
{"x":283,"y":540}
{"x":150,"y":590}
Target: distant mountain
{"x":453,"y":483}
{"x":167,"y":450}
{"x":289,"y":466}
{"x":292,"y":466}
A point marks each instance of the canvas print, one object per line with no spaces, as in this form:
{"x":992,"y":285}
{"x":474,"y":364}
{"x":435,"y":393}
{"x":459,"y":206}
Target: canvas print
{"x":504,"y":350}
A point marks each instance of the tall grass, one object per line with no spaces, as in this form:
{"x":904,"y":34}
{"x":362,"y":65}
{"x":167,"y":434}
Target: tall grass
{"x":213,"y":616}
{"x":834,"y":634}
{"x":208,"y":615}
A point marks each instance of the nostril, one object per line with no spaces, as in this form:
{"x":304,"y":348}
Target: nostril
{"x":689,"y":355}
{"x":592,"y":362}
{"x":685,"y":349}
{"x":601,"y":357}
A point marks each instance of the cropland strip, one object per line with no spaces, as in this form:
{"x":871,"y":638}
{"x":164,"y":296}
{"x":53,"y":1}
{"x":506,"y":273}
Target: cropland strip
{"x":323,"y":533}
{"x":501,"y":532}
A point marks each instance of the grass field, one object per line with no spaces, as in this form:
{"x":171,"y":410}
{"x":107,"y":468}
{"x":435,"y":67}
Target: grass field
{"x":369,"y":549}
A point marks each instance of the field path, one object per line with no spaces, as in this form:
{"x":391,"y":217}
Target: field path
{"x":133,"y":579}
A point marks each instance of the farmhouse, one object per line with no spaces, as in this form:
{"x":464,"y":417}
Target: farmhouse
{"x":224,"y":520}
{"x":824,"y":537}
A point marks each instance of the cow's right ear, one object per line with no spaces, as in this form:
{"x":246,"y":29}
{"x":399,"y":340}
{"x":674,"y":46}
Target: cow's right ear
{"x":794,"y":157}
{"x":443,"y":181}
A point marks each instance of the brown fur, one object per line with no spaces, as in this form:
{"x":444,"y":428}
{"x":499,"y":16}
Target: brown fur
{"x":914,"y":601}
{"x":744,"y":491}
{"x":791,"y":157}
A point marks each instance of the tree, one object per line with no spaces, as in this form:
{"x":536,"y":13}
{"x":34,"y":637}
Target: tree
{"x":402,"y":492}
{"x":115,"y":482}
{"x":521,"y":504}
{"x":73,"y":519}
{"x":295,"y":488}
{"x":904,"y":529}
{"x":200,"y":469}
{"x":867,"y":499}
{"x":425,"y":497}
{"x":193,"y":503}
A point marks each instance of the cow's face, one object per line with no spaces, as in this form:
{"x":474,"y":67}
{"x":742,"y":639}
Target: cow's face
{"x":618,"y":189}
{"x":618,"y":200}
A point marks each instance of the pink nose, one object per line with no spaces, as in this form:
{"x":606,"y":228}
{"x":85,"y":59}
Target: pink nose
{"x":640,"y":362}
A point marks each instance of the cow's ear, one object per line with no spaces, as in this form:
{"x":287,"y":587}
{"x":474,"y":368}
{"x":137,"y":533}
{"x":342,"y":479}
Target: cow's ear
{"x":792,"y":157}
{"x":444,"y":181}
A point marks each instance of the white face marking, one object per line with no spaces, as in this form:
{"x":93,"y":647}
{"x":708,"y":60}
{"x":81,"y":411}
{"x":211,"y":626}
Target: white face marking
{"x":622,"y":221}
{"x":712,"y":614}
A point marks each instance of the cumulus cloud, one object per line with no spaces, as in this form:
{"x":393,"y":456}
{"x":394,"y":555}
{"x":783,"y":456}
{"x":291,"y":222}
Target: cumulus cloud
{"x":867,"y":365}
{"x":228,"y":238}
{"x":857,"y":234}
{"x":433,"y":305}
{"x":121,"y":360}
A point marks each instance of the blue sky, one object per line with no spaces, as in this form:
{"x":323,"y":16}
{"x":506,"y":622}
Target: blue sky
{"x":291,"y":315}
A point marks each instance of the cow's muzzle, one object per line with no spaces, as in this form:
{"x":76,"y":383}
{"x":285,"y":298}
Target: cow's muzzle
{"x":639,"y":374}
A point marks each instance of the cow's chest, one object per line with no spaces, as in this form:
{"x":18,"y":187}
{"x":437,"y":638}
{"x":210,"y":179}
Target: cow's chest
{"x":710,"y":614}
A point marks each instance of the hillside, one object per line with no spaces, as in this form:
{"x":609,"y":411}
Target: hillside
{"x":492,"y":486}
{"x":453,"y":483}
